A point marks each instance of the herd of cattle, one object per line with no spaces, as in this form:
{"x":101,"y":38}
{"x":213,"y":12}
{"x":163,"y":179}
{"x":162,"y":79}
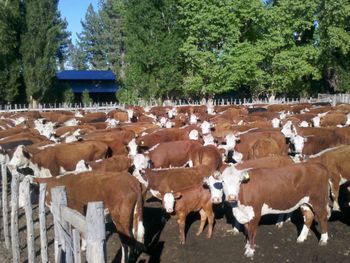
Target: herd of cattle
{"x":261,"y":159}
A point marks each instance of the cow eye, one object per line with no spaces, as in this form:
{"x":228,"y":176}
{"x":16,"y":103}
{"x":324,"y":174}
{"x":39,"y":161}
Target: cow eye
{"x":218,"y":186}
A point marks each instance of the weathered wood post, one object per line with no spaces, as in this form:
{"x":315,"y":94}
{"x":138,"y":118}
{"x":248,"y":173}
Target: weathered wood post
{"x":14,"y":217}
{"x":96,"y":233}
{"x":76,"y":246}
{"x":29,"y":219}
{"x":42,"y":222}
{"x":61,"y":228}
{"x":5,"y":218}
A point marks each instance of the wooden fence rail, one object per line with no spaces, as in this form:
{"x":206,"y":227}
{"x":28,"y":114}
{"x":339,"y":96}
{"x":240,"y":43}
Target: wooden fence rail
{"x":69,"y":225}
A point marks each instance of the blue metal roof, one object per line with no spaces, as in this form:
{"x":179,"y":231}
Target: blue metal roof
{"x":85,"y":75}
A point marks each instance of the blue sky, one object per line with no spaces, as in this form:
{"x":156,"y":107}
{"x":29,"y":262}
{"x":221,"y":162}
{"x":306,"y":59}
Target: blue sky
{"x":74,"y":11}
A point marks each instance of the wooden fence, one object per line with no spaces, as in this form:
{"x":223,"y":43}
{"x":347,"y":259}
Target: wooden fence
{"x":69,"y":225}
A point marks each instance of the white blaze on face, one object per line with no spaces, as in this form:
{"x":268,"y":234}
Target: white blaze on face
{"x":275,"y":123}
{"x":216,"y":192}
{"x":298,"y":142}
{"x":208,"y":139}
{"x":71,"y":122}
{"x":316,"y":121}
{"x":130,"y":113}
{"x":231,"y":141}
{"x":18,"y":159}
{"x":231,"y":181}
{"x":168,"y":124}
{"x":194,"y":135}
{"x":132,"y":147}
{"x":304,"y":124}
{"x":283,"y":115}
{"x":193,"y":119}
{"x":140,"y":161}
{"x":348,"y":119}
{"x":237,"y":156}
{"x":210,"y":110}
{"x":163,"y":121}
{"x":112,"y":123}
{"x":171,"y":113}
{"x":287,"y":129}
{"x":169,"y":202}
{"x":205,"y":126}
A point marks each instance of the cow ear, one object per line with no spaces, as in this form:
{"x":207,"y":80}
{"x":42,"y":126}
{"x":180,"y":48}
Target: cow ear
{"x":245,"y":177}
{"x":177,"y":195}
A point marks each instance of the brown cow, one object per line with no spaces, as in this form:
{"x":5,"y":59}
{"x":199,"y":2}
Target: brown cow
{"x":208,"y":155}
{"x":277,"y":190}
{"x":336,"y":160}
{"x":120,"y":194}
{"x":51,"y":160}
{"x":174,"y":153}
{"x":116,"y":163}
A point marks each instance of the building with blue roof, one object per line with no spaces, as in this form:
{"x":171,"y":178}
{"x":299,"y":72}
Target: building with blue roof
{"x":101,"y":84}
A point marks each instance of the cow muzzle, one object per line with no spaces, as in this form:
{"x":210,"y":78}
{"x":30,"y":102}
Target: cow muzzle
{"x":216,"y":200}
{"x":232,"y":198}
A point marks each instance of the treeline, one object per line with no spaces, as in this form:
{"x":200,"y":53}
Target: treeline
{"x":33,"y":46}
{"x":185,"y":48}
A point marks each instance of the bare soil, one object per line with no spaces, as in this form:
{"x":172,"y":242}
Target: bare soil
{"x":273,"y":244}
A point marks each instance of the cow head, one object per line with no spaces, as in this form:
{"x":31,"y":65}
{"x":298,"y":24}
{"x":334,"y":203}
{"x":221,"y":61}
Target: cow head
{"x":231,"y":181}
{"x":172,"y":113}
{"x":316,"y":121}
{"x":298,"y":142}
{"x":140,"y":162}
{"x":194,"y":135}
{"x":304,"y":124}
{"x":283,"y":115}
{"x":205,"y":126}
{"x":287,"y":129}
{"x":20,"y":158}
{"x":215,"y":187}
{"x":133,"y":147}
{"x":231,"y":140}
{"x":208,"y":139}
{"x":275,"y":123}
{"x":82,"y":166}
{"x":169,"y":201}
{"x":112,"y":123}
{"x":193,"y":119}
{"x":169,"y":124}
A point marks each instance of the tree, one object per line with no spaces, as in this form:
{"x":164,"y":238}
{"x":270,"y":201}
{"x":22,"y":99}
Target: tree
{"x":10,"y":60}
{"x":90,"y":40}
{"x":68,"y":96}
{"x":85,"y":98}
{"x":334,"y":42}
{"x":152,"y":39}
{"x":42,"y":46}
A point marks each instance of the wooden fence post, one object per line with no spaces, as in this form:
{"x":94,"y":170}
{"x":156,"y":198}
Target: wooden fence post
{"x":42,"y":222}
{"x":14,"y":217}
{"x":76,"y":246}
{"x":5,"y":216}
{"x":61,"y":228}
{"x":96,"y":233}
{"x":29,"y":219}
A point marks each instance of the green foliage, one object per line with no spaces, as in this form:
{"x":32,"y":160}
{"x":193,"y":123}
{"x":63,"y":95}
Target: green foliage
{"x":85,"y":98}
{"x":68,"y":96}
{"x":127,"y":96}
{"x":44,"y":39}
{"x":10,"y":67}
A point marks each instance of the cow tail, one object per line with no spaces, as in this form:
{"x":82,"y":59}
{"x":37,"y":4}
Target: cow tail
{"x":139,"y":230}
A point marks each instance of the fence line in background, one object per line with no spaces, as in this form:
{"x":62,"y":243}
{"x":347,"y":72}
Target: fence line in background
{"x":106,"y":106}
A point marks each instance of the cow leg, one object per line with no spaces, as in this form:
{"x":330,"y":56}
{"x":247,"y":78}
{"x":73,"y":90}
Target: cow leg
{"x":283,"y":218}
{"x":181,"y":222}
{"x":308,"y":219}
{"x":334,"y":183}
{"x":204,"y":217}
{"x":251,"y":228}
{"x":211,"y":218}
{"x":321,"y":216}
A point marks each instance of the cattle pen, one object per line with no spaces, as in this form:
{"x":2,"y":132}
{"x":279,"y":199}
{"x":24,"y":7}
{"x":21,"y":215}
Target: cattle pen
{"x":35,"y":234}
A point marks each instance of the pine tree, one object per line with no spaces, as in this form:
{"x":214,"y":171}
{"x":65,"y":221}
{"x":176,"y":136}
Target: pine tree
{"x":10,"y":67}
{"x":85,"y":98}
{"x":42,"y":46}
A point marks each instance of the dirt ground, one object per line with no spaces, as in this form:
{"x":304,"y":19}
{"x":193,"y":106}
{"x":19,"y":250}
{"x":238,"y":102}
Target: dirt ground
{"x":273,"y":244}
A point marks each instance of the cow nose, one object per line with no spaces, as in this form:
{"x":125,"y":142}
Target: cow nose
{"x":232,"y":198}
{"x":216,"y":200}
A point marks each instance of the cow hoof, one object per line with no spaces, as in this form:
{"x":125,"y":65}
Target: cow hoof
{"x":279,"y":225}
{"x":198,"y":233}
{"x":209,"y":236}
{"x":182,"y":242}
{"x":300,"y":240}
{"x":249,"y":252}
{"x":322,"y":243}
